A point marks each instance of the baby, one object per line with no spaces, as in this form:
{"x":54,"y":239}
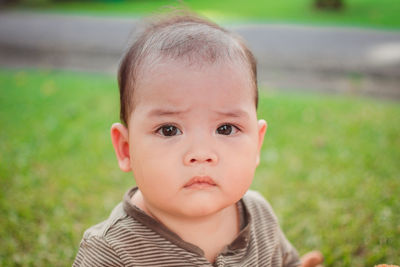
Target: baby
{"x":191,"y":137}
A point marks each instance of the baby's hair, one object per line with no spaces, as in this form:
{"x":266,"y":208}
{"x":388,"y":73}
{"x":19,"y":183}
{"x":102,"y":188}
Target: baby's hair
{"x":184,"y":37}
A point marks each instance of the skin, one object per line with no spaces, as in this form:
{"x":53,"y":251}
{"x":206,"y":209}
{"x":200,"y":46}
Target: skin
{"x":193,"y":143}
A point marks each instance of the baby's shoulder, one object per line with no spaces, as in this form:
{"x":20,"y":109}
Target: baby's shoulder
{"x":117,"y":222}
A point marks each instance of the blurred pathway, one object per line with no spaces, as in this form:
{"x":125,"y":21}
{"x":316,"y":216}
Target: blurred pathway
{"x":350,"y":60}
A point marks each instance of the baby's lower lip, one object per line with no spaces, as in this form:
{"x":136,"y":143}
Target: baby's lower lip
{"x":200,"y":182}
{"x":199,"y":186}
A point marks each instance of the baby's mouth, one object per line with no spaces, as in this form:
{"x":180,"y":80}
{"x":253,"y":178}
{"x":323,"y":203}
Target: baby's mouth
{"x":200,"y":182}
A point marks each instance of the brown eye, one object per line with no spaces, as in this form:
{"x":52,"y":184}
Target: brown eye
{"x":226,"y":129}
{"x":169,"y":130}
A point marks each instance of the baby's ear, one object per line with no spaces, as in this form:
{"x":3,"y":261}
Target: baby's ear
{"x":120,"y":140}
{"x":262,"y":129}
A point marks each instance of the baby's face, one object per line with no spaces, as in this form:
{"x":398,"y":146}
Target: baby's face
{"x":194,"y":138}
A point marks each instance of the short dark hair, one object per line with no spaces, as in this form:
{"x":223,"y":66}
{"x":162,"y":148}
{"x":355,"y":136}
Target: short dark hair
{"x":182,"y":36}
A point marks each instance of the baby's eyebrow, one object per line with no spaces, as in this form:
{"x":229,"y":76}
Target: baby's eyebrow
{"x":237,"y":113}
{"x":164,"y":112}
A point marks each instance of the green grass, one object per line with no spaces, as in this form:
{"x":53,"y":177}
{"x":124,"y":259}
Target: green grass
{"x":329,"y":167}
{"x":370,"y":13}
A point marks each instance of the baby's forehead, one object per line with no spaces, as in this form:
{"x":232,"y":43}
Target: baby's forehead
{"x":173,"y":82}
{"x":165,"y":66}
{"x":194,"y":78}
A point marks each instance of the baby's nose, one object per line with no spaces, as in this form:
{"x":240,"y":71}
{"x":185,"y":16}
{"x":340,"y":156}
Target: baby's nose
{"x":199,"y":157}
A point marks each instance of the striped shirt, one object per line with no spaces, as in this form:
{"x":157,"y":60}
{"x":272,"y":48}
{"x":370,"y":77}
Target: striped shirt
{"x":129,"y":237}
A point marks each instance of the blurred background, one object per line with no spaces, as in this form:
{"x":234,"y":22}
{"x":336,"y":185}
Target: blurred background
{"x":329,"y":76}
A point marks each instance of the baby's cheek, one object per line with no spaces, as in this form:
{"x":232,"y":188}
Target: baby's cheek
{"x":241,"y":174}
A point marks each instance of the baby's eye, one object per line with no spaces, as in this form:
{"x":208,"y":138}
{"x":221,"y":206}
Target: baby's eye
{"x":169,"y":130}
{"x":227,"y":129}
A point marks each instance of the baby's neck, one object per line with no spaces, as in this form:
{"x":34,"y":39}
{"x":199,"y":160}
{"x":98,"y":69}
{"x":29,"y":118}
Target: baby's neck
{"x":210,"y":233}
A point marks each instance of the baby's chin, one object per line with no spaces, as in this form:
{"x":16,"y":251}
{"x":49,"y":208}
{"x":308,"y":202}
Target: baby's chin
{"x":204,"y":209}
